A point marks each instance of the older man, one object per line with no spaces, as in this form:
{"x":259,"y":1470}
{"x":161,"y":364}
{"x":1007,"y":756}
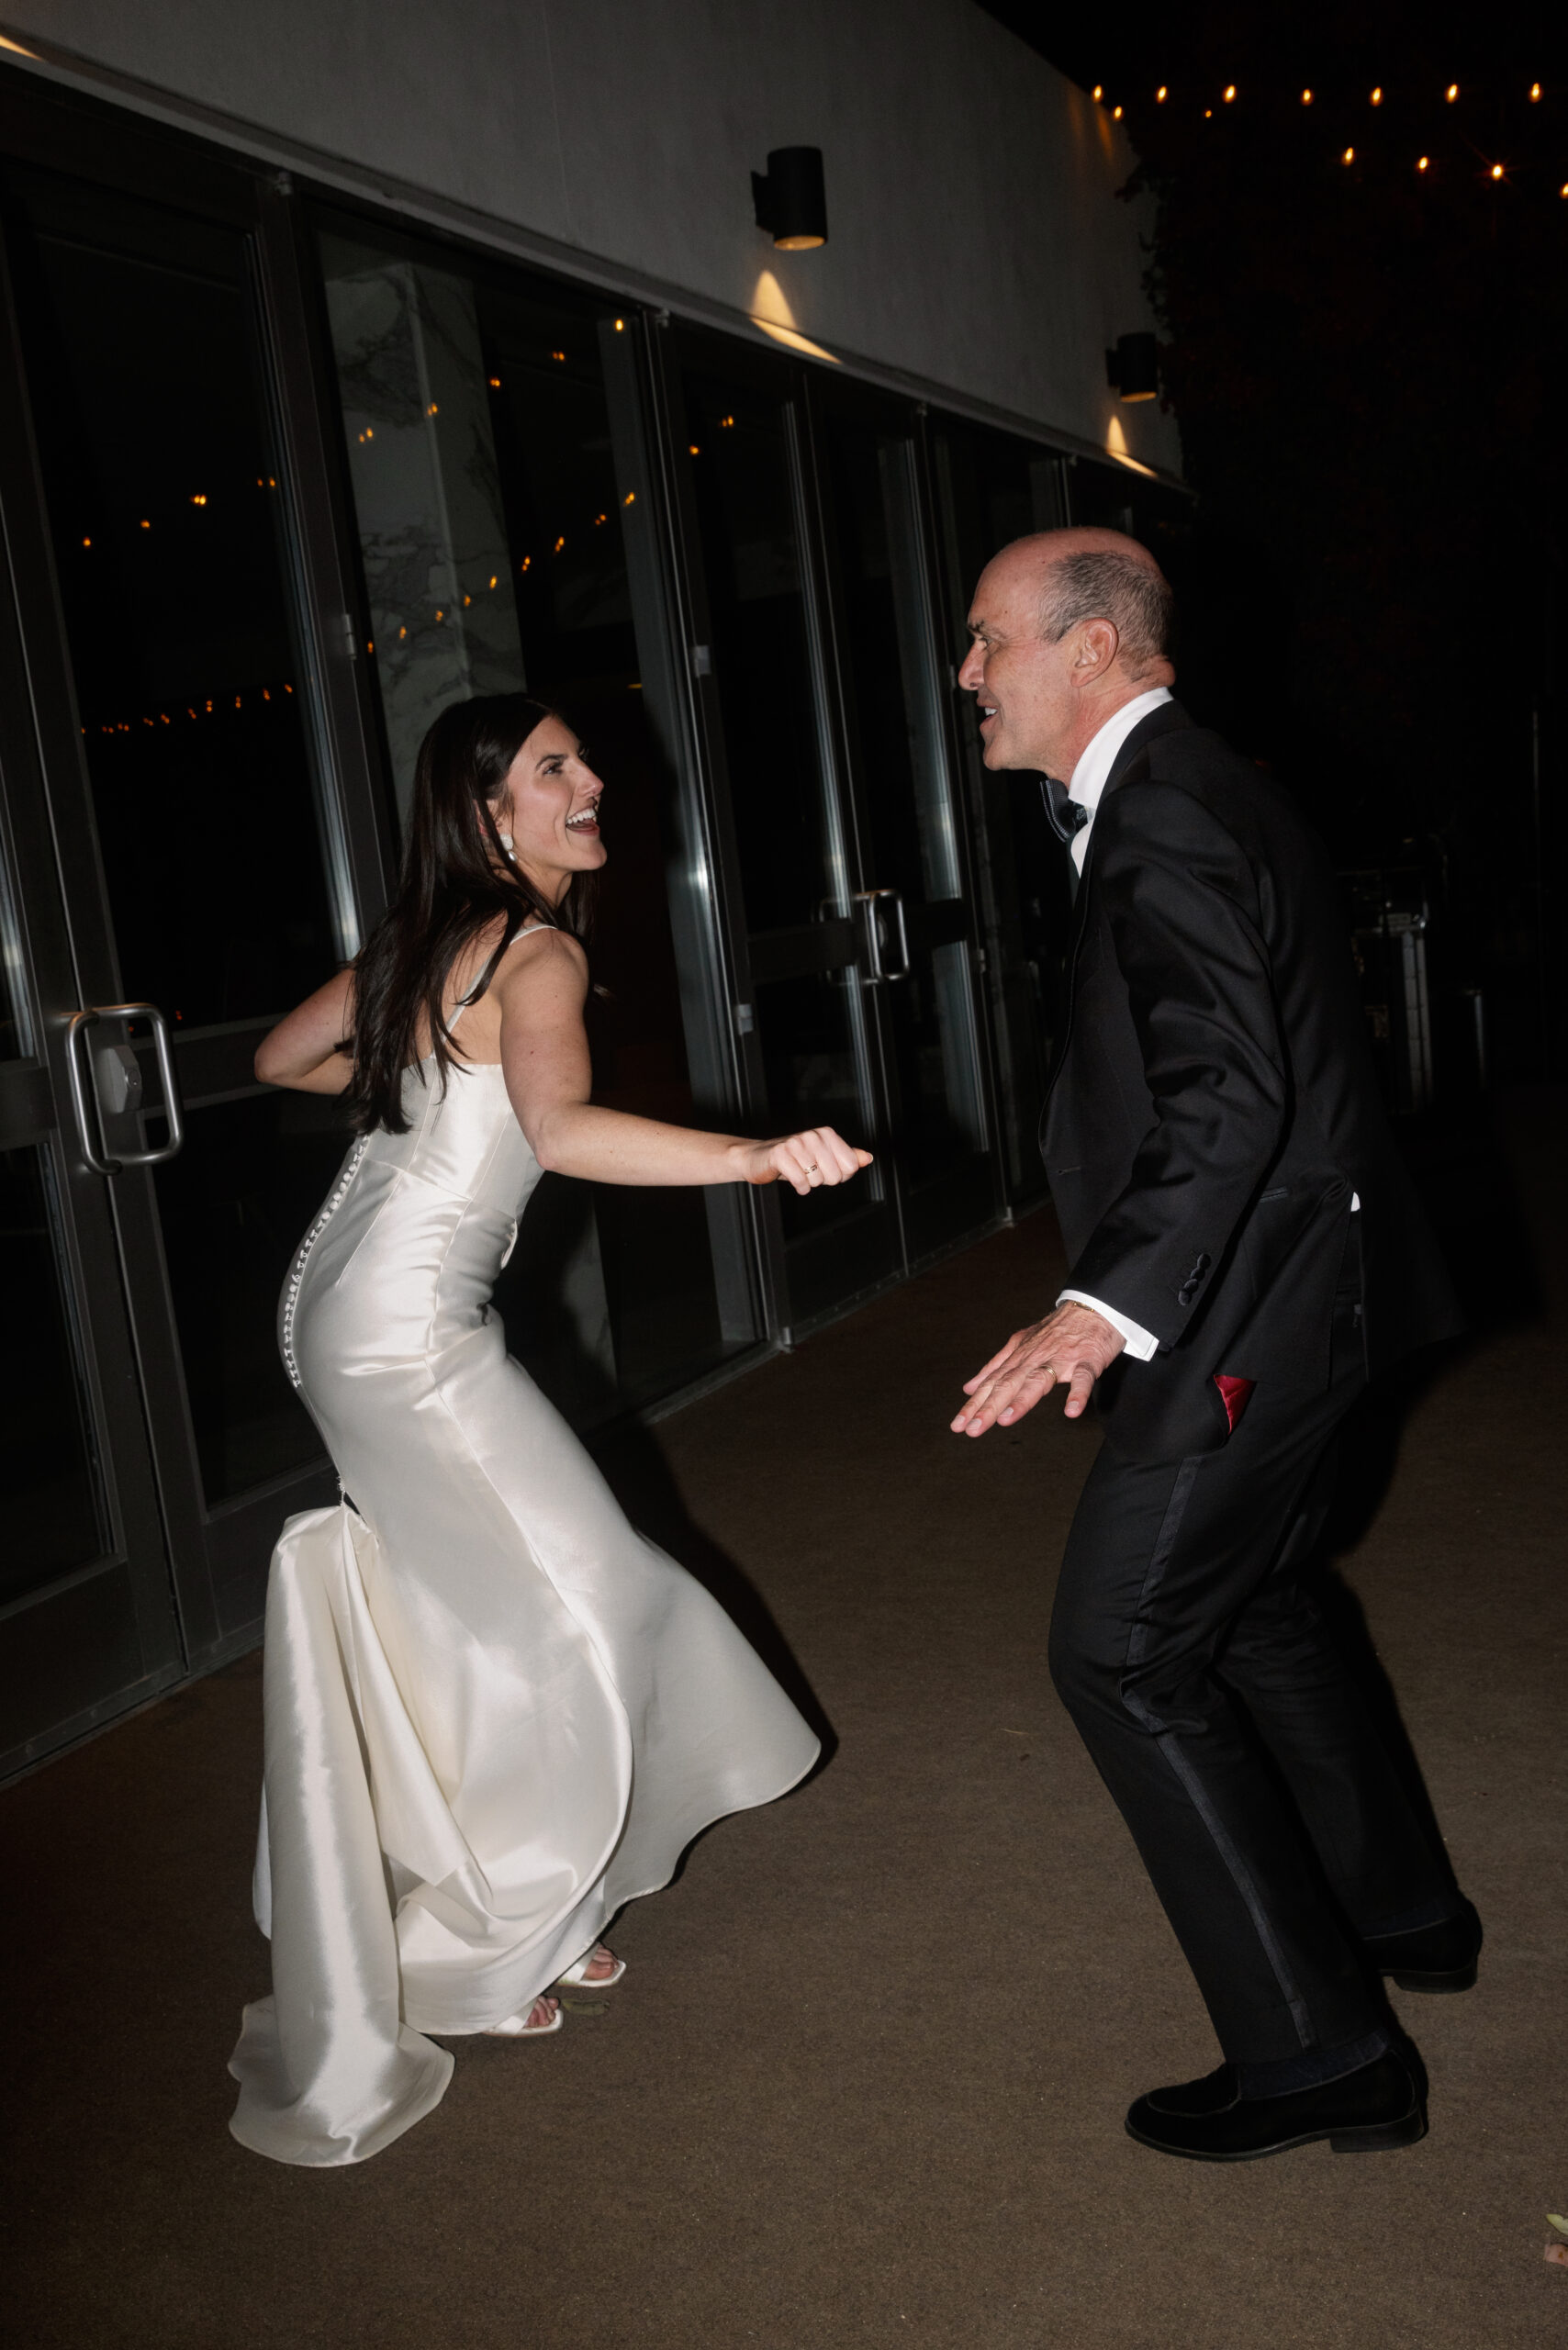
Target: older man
{"x":1244,"y":1251}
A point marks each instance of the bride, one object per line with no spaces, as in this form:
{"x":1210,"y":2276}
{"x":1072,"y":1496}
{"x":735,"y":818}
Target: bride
{"x":493,"y":1714}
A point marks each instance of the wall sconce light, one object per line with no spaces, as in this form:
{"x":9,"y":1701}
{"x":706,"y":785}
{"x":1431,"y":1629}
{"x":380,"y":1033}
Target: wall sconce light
{"x":1133,"y":368}
{"x":791,"y":200}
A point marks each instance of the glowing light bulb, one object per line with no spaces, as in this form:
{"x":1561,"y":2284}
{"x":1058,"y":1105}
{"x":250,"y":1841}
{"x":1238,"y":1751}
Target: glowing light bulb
{"x":1116,"y":114}
{"x":1099,"y":92}
{"x":620,"y":325}
{"x":1451,"y":93}
{"x":1377,"y":95}
{"x":1496,"y":171}
{"x":1422,"y":162}
{"x":1161,"y":94}
{"x":1349,"y":156}
{"x":1230,"y":91}
{"x":1306,"y":97}
{"x":1534,"y":93}
{"x":495,"y":383}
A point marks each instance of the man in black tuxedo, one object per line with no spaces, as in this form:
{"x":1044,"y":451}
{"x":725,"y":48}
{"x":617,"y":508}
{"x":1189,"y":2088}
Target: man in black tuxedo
{"x":1245,"y":1251}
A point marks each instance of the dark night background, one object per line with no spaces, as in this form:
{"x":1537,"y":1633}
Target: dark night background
{"x":1368,"y":365}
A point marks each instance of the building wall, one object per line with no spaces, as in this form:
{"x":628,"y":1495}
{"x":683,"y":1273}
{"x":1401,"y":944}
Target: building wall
{"x":977,"y":240}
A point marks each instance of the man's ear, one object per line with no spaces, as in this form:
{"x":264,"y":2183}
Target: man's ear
{"x":1095,"y":650}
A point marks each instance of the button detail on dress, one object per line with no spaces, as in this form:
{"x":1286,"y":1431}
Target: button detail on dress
{"x":296,"y":1272}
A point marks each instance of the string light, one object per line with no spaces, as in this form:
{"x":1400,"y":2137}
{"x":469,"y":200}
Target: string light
{"x":1099,"y":92}
{"x":1377,"y":95}
{"x":630,"y":498}
{"x":1161,"y":94}
{"x":620,"y":325}
{"x":693,"y":449}
{"x":559,"y":544}
{"x":495,"y":383}
{"x":1496,"y":171}
{"x":1116,"y":114}
{"x":1534,"y":93}
{"x":1452,"y":91}
{"x":200,"y":498}
{"x":1349,"y":156}
{"x":560,"y":355}
{"x":1230,"y":91}
{"x":1306,"y":97}
{"x":1422,"y":162}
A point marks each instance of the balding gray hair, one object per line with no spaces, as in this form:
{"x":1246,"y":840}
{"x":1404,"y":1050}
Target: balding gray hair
{"x":1130,"y":593}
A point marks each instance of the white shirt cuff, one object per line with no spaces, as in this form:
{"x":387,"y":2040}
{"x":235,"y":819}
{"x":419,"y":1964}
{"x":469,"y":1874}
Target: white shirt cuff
{"x":1141,"y":1344}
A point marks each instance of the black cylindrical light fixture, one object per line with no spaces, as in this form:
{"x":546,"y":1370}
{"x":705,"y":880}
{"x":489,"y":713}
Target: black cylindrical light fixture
{"x":791,"y":200}
{"x":1133,"y":368}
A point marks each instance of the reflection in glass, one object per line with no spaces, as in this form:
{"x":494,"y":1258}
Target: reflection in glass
{"x":740,"y":468}
{"x":234,"y":1206}
{"x":55,"y":1511}
{"x":164,"y":513}
{"x":490,"y":496}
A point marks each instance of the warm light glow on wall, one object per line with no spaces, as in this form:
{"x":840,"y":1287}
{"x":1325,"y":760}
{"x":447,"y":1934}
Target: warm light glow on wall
{"x":770,"y":311}
{"x":1117,"y":446}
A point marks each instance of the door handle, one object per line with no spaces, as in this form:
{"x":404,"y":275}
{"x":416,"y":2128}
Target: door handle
{"x":79,"y":1071}
{"x":870,"y":899}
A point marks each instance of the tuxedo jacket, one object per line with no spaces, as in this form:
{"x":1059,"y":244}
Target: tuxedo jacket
{"x":1212,"y":1110}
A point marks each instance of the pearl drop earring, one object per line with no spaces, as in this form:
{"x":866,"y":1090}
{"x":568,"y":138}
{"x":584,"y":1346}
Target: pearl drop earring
{"x":505,"y":840}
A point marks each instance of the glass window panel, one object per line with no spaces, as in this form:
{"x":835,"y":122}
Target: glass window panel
{"x":49,"y":1472}
{"x":489,"y":494}
{"x":751,"y":560}
{"x":164,"y":512}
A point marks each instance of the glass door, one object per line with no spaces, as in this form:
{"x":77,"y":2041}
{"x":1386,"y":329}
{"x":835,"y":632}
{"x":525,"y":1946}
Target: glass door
{"x":206,"y":879}
{"x":900,"y":775}
{"x":815,"y":662}
{"x":804,"y":944}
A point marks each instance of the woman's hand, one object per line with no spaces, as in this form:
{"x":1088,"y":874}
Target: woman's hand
{"x":806,"y":1160}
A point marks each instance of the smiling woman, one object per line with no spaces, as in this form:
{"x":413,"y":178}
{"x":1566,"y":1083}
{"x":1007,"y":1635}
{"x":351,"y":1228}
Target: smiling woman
{"x":541,"y":1710}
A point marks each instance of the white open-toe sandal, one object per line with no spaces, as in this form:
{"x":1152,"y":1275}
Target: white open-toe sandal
{"x":577,"y":1978}
{"x":519,"y":2028}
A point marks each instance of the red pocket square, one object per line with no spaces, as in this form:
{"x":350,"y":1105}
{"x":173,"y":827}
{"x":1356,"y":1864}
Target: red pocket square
{"x":1235,"y":1394}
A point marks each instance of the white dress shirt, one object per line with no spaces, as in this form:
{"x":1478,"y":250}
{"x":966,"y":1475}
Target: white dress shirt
{"x":1090,"y":778}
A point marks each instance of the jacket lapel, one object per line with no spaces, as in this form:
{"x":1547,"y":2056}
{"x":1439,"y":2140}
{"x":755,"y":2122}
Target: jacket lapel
{"x":1168,"y":719}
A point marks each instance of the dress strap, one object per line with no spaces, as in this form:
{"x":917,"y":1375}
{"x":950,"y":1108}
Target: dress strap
{"x":513,"y":932}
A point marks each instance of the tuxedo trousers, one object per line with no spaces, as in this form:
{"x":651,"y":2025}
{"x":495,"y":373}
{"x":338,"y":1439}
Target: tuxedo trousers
{"x":1189,"y":1646}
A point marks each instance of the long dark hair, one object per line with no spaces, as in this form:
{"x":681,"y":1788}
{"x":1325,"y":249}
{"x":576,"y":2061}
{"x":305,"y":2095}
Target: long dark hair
{"x":456,"y":880}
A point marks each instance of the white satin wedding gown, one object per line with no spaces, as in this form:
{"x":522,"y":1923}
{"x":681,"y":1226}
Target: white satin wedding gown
{"x":493,"y":1712}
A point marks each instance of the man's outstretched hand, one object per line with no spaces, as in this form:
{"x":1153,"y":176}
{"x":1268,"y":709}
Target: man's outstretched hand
{"x":1070,"y":1349}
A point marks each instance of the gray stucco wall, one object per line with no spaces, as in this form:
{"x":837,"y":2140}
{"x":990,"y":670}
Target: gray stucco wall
{"x":977,"y":241}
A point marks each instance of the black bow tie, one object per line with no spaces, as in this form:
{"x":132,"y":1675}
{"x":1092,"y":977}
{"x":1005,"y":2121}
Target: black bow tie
{"x":1066,"y":816}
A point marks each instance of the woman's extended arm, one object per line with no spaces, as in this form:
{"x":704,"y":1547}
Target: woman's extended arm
{"x":302,"y":1051}
{"x":544,"y":1055}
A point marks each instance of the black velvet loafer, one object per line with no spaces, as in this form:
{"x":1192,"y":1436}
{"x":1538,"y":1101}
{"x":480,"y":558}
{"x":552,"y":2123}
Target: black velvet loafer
{"x":1370,"y":2111}
{"x":1430,"y":1958}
